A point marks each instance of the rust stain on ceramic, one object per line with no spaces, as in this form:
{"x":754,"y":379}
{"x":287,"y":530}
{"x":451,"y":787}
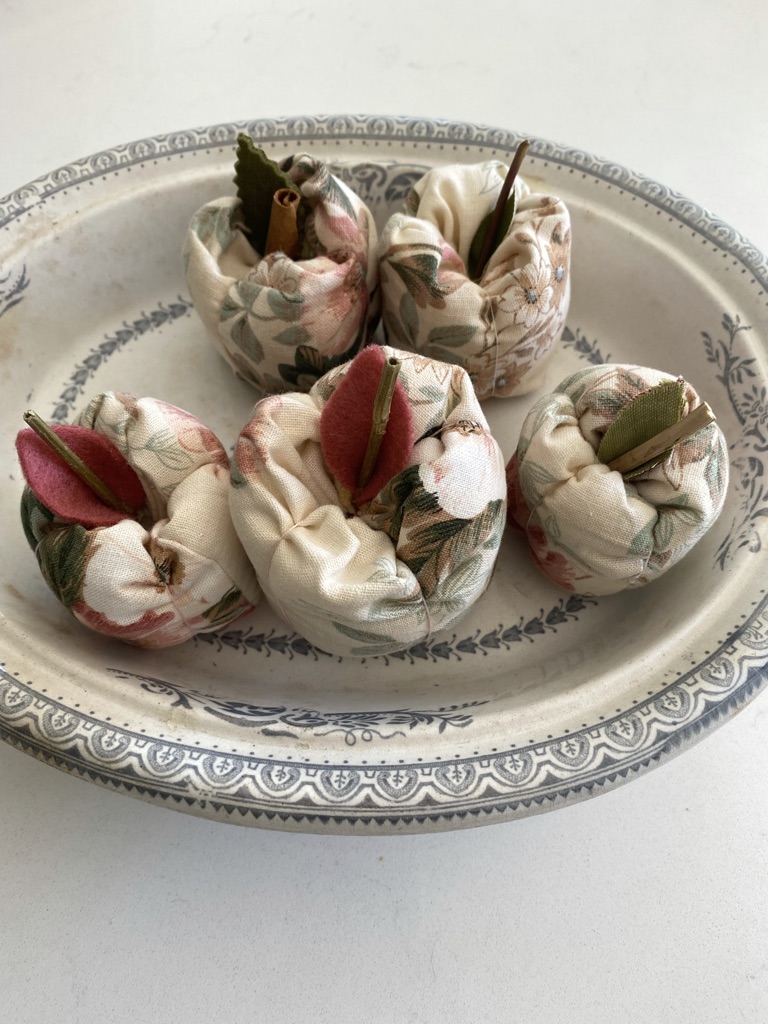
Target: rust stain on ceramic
{"x":9,"y":350}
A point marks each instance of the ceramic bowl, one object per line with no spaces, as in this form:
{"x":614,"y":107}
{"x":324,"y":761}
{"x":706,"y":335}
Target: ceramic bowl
{"x":540,"y":697}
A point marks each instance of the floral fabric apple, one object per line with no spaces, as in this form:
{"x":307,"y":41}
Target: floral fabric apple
{"x":591,"y":528}
{"x":169,"y":566}
{"x":282,"y":320}
{"x":499,"y":321}
{"x":371,"y":571}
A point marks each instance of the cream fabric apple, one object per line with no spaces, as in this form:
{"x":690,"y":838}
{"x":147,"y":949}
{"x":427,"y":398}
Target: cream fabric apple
{"x":502,"y":327}
{"x":408,"y":562}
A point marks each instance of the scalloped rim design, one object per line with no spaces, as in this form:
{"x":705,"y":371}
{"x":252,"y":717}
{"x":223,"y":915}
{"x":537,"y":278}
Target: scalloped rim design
{"x":378,"y":127}
{"x":411,"y":797}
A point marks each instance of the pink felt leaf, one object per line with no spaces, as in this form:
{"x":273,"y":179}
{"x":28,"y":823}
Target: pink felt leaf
{"x":345,"y":426}
{"x":61,"y":490}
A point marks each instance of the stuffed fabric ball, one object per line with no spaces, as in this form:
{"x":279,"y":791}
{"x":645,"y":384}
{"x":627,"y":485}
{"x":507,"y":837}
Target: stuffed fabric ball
{"x":501,"y":327}
{"x":589,"y":528}
{"x":280,"y":322}
{"x":381,"y":572}
{"x":174,"y":569}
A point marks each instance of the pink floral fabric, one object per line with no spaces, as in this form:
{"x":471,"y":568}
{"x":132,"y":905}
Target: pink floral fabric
{"x":177,"y":570}
{"x":502,"y":327}
{"x":412,"y":560}
{"x":282,"y":323}
{"x":588,"y":529}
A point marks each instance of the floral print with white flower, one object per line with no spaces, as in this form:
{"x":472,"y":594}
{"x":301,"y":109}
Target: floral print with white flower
{"x":588,"y":529}
{"x":176,"y":570}
{"x":412,"y":560}
{"x":501,"y":328}
{"x":282,"y":323}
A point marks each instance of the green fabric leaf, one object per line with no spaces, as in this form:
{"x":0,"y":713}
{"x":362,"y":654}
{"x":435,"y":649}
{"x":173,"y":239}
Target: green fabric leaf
{"x":449,"y":541}
{"x":374,"y":642}
{"x":221,"y":612}
{"x":450,"y":596}
{"x":309,"y":365}
{"x":243,"y":335}
{"x":641,"y":419}
{"x":419,"y":274}
{"x":409,"y":315}
{"x":473,"y":271}
{"x":395,"y":609}
{"x":294,"y":336}
{"x":335,"y":195}
{"x":534,"y":478}
{"x":451,"y":335}
{"x":35,"y":517}
{"x":642,"y":543}
{"x":285,"y":306}
{"x":165,"y":446}
{"x":257,"y":179}
{"x":62,"y":554}
{"x":405,"y":493}
{"x":394,"y":330}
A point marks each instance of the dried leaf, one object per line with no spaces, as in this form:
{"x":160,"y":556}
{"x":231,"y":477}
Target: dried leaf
{"x":257,"y":179}
{"x":476,"y":248}
{"x":641,"y":419}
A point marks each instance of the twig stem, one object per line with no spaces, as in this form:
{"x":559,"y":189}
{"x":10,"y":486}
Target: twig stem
{"x":689,"y":425}
{"x":382,"y":406}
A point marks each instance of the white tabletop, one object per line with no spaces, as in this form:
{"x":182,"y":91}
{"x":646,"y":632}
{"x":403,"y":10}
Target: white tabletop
{"x":647,"y":904}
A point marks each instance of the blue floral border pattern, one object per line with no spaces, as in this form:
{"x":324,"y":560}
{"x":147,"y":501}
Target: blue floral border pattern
{"x":411,"y":797}
{"x":434,"y":650}
{"x":459,"y":791}
{"x":292,"y":722}
{"x":583,"y":348}
{"x":112,"y":343}
{"x":283,"y":721}
{"x":750,"y":405}
{"x":12,"y":287}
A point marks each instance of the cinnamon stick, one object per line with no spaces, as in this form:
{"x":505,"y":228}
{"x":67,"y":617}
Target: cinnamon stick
{"x":283,"y":232}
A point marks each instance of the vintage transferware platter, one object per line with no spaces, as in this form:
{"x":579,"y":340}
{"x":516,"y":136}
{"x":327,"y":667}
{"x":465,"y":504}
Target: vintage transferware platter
{"x":539,"y":697}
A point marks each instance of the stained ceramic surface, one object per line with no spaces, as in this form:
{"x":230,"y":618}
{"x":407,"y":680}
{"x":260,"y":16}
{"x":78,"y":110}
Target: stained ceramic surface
{"x":540,"y":697}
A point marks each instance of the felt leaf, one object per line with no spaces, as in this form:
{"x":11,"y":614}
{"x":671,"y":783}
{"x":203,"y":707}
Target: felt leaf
{"x":475,"y":250}
{"x":641,"y":419}
{"x":62,"y":491}
{"x":345,"y":426}
{"x":257,"y":179}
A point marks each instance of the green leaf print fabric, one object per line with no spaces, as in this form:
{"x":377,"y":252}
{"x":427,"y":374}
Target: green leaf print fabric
{"x":414,"y":559}
{"x":501,"y":328}
{"x":588,"y":528}
{"x":282,"y":323}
